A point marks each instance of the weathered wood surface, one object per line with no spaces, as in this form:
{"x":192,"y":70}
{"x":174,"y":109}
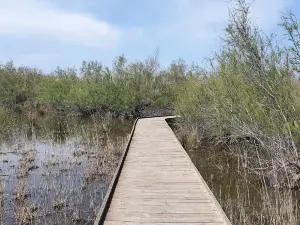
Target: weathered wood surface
{"x":159,"y":184}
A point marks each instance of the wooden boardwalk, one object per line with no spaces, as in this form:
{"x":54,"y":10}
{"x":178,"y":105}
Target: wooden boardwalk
{"x":158,"y":183}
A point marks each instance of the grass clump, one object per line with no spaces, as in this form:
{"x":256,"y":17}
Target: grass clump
{"x":247,"y":102}
{"x":252,"y":95}
{"x":249,"y":105}
{"x":124,"y":87}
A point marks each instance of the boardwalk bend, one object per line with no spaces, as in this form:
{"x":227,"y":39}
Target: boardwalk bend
{"x":156,"y":183}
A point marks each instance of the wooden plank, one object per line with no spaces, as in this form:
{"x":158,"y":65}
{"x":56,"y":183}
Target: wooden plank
{"x":169,"y":218}
{"x":107,"y":199}
{"x":152,"y":223}
{"x":159,"y":184}
{"x":146,"y":209}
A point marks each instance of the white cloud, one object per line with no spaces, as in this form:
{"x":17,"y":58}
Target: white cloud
{"x":41,"y":19}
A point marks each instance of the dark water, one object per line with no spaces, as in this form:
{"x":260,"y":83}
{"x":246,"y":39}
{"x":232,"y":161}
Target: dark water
{"x":57,"y":170}
{"x":245,"y":197}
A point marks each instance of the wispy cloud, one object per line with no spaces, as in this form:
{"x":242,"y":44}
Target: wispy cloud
{"x":47,"y":33}
{"x":202,"y":20}
{"x":42,"y":19}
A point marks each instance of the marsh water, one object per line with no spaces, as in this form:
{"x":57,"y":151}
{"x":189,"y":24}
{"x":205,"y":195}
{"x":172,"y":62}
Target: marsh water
{"x":246,"y":198}
{"x":58,"y":169}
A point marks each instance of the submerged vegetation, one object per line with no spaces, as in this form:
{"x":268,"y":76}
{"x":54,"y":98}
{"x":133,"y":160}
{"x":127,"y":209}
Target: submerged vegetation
{"x":60,"y":171}
{"x":247,"y":105}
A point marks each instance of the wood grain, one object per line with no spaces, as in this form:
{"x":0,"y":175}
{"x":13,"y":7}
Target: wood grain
{"x":159,"y":184}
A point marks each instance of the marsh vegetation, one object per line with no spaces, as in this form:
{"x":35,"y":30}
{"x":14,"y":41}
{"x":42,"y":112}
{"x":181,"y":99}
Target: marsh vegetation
{"x":59,"y":171}
{"x":239,"y":121}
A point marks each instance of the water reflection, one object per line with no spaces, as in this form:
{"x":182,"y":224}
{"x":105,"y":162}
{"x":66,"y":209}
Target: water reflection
{"x":58,"y":170}
{"x":246,"y":198}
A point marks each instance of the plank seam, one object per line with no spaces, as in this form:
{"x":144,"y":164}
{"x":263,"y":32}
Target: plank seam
{"x":111,"y":189}
{"x":213,"y":198}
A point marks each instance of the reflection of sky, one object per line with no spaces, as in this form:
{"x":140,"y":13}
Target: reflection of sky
{"x":59,"y":174}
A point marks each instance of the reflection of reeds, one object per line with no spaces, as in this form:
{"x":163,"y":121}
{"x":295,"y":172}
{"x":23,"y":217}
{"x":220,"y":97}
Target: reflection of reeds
{"x":106,"y":160}
{"x":281,"y":209}
{"x":59,"y":203}
{"x":1,"y":201}
{"x":270,"y":205}
{"x":26,"y":164}
{"x":25,"y":213}
{"x":69,"y":175}
{"x":246,"y":198}
{"x":251,"y":188}
{"x":21,"y":191}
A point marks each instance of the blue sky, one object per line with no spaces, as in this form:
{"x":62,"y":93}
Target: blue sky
{"x":50,"y":33}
